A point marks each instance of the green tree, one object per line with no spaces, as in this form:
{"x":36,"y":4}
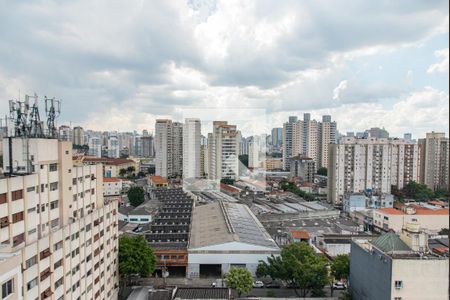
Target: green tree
{"x":141,"y":174}
{"x":135,"y":257}
{"x":240,"y":280}
{"x":299,"y":266}
{"x":136,"y":196}
{"x":131,"y":169}
{"x":322,"y":171}
{"x":227,"y":180}
{"x":340,"y":267}
{"x":443,"y":231}
{"x":122,"y":172}
{"x":417,"y":191}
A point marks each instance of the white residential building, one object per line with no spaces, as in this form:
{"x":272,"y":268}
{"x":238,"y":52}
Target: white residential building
{"x":191,"y":148}
{"x":58,"y":236}
{"x":223,"y":147}
{"x":95,"y":146}
{"x":113,"y":147}
{"x":357,"y":165}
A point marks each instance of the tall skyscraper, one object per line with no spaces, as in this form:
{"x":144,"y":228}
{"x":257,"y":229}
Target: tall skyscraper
{"x":277,"y":137}
{"x":78,"y":135}
{"x":310,"y":138}
{"x":435,"y":161}
{"x":168,"y":148}
{"x":357,"y":165}
{"x":148,"y":149}
{"x":191,"y":148}
{"x":223,"y":147}
{"x":287,"y":141}
{"x":59,"y":237}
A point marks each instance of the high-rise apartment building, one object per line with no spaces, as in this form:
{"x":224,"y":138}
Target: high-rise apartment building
{"x":168,"y":148}
{"x":288,"y":141}
{"x":223,"y":147}
{"x":95,"y":146}
{"x":78,"y":135}
{"x":257,"y":151}
{"x":148,"y":149}
{"x":357,"y":165}
{"x":191,"y":148}
{"x":113,"y":147}
{"x":435,"y":161}
{"x":276,"y":138}
{"x":309,"y":138}
{"x":59,"y":239}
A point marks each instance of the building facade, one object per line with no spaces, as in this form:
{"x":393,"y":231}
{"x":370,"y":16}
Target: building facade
{"x":223,"y":147}
{"x":191,"y":148}
{"x":168,"y":148}
{"x":55,"y":223}
{"x":358,"y":165}
{"x":435,"y":161}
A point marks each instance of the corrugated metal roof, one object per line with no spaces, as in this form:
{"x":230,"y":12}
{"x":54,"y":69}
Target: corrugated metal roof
{"x":202,"y":293}
{"x":390,"y":242}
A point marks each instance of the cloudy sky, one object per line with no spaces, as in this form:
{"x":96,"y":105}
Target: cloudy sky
{"x":119,"y":65}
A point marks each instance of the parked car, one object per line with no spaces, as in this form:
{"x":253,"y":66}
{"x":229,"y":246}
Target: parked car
{"x":273,"y":285}
{"x":338,"y":285}
{"x":258,"y":284}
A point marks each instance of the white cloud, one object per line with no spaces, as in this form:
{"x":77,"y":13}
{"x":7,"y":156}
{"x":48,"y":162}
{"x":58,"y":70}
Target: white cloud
{"x":341,"y":87}
{"x":442,"y":66}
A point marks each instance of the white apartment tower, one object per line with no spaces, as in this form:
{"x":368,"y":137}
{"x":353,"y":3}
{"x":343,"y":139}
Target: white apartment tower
{"x":357,"y":165}
{"x":435,"y":161}
{"x":168,"y":148}
{"x":191,"y":148}
{"x":59,"y":239}
{"x":223,"y":148}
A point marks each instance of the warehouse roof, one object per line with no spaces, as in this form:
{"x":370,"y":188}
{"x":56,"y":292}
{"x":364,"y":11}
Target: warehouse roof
{"x":224,"y":222}
{"x":202,"y":293}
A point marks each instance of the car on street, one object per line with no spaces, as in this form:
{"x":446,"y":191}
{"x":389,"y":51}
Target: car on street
{"x":338,"y":285}
{"x":258,"y":284}
{"x":273,"y":285}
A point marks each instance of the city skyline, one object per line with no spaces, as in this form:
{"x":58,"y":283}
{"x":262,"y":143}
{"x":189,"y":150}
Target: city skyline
{"x":125,"y":76}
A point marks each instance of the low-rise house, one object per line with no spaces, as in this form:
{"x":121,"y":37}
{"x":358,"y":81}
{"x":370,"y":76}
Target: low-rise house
{"x":432,"y":220}
{"x":112,"y":186}
{"x":157,"y":182}
{"x":138,"y":215}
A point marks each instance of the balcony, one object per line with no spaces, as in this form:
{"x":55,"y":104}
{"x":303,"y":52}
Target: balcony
{"x":45,"y":274}
{"x":47,"y":293}
{"x":46,"y":253}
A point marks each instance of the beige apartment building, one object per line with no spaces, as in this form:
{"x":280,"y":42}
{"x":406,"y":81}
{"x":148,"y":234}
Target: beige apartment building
{"x":58,"y":238}
{"x":435,"y":157}
{"x":391,"y":219}
{"x":356,"y":165}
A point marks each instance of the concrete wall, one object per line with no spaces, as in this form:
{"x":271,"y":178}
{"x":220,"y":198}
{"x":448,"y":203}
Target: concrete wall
{"x":370,"y":276}
{"x":422,"y":279}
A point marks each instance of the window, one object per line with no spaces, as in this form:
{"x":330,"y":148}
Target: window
{"x":58,"y":245}
{"x":398,"y":298}
{"x":398,"y":284}
{"x":17,"y":217}
{"x":59,"y":282}
{"x":31,"y":261}
{"x":7,"y":288}
{"x":53,"y":186}
{"x":31,"y":210}
{"x":31,"y":189}
{"x":75,"y":236}
{"x":75,"y":252}
{"x":57,"y":264}
{"x":88,"y":227}
{"x":54,"y":204}
{"x":32,"y":283}
{"x":16,"y":195}
{"x":53,"y":167}
{"x":74,"y":181}
{"x":3,"y":198}
{"x":32,"y":231}
{"x":54,"y":223}
{"x":4,"y":222}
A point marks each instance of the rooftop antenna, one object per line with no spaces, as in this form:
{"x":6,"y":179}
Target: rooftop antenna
{"x":52,"y":109}
{"x":19,"y":114}
{"x":35,"y":126}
